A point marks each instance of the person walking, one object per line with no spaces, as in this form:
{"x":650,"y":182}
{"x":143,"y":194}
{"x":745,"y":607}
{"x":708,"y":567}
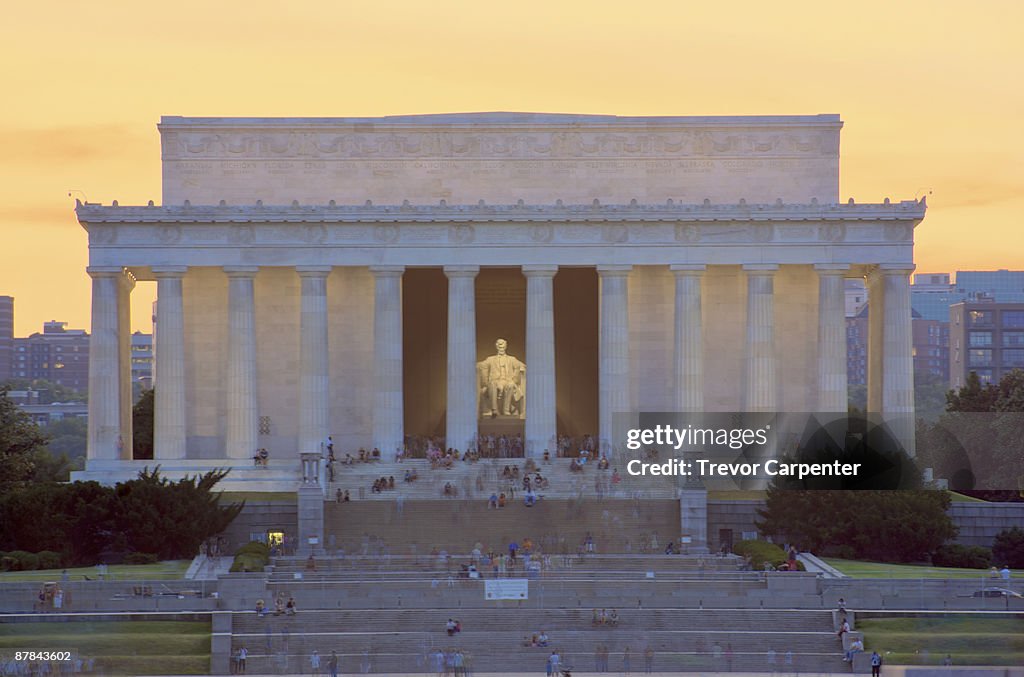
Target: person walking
{"x":332,"y":664}
{"x":314,"y":663}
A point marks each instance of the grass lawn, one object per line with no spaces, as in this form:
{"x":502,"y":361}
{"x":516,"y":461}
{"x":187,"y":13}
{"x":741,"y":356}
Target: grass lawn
{"x":168,"y":570}
{"x":861,"y":569}
{"x":924,"y":641}
{"x":137,"y":647}
{"x":960,"y":498}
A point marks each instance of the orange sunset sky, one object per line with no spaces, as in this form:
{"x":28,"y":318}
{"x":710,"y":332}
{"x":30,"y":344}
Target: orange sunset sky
{"x":931,"y":94}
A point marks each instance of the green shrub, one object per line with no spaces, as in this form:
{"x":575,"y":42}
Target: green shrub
{"x":252,"y":556}
{"x":760,"y":552}
{"x":246,"y":562}
{"x":254,"y":548}
{"x":8,"y":563}
{"x":140,"y":558}
{"x":48,"y":559}
{"x":23,"y":561}
{"x":962,"y":556}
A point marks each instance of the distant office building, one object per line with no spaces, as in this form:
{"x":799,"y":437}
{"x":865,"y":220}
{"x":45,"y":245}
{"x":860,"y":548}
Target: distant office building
{"x":930,"y":347}
{"x":61,"y":355}
{"x":58,"y":354}
{"x":6,"y":335}
{"x":987,"y":338}
{"x":1002,"y":286}
{"x":856,"y":295}
{"x":932,"y":294}
{"x":142,"y":361}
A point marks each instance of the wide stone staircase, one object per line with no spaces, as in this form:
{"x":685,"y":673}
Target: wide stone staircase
{"x":390,"y":615}
{"x":557,"y":526}
{"x":478,"y":479}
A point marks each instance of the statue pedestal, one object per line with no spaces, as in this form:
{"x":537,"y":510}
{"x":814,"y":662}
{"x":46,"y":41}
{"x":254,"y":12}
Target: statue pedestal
{"x":510,"y":426}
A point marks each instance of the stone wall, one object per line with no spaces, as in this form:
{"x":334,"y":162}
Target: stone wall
{"x":260,"y":517}
{"x":980,"y":522}
{"x":500,"y":158}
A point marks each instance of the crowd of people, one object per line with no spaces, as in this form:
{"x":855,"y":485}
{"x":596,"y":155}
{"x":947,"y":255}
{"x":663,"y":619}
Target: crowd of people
{"x":451,"y":662}
{"x":605,"y":618}
{"x":382,"y":484}
{"x":281,"y":607}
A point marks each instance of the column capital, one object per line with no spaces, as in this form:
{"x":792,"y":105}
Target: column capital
{"x":313,"y":271}
{"x":170,"y":272}
{"x":461,"y":271}
{"x":241,"y":271}
{"x":687,"y":269}
{"x":104,"y":271}
{"x":614,"y":270}
{"x":540,"y":270}
{"x":891,"y":269}
{"x":387,"y":271}
{"x":840,"y":269}
{"x":761,"y":268}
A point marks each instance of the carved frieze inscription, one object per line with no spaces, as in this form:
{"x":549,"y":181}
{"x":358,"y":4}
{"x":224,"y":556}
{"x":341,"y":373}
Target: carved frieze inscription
{"x":241,"y":145}
{"x":317,"y":162}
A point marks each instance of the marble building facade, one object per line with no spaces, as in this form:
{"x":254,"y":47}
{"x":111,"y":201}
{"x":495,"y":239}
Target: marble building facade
{"x":704,"y":257}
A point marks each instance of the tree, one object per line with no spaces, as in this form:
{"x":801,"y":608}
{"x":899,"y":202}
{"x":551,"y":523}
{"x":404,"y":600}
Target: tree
{"x":73,"y":519}
{"x":930,"y":395}
{"x":67,"y":449}
{"x":978,"y":443}
{"x":972,"y":396}
{"x":87,"y":522}
{"x":171,"y":519}
{"x":20,"y":439}
{"x":888,"y":526}
{"x":142,"y":425}
{"x":1008,"y":548}
{"x":49,"y":391}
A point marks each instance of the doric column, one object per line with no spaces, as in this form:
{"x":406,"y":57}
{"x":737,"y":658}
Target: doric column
{"x":109,"y":434}
{"x":124,"y":353}
{"x":541,"y":414}
{"x":169,"y":355}
{"x":760,"y":383}
{"x":613,"y":350}
{"x":688,"y":354}
{"x":388,"y":412}
{"x":314,"y":392}
{"x":890,"y":350}
{"x":242,"y":413}
{"x":462,"y":380}
{"x":832,"y":395}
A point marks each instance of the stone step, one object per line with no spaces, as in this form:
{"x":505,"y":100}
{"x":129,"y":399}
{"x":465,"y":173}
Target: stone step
{"x":457,"y":525}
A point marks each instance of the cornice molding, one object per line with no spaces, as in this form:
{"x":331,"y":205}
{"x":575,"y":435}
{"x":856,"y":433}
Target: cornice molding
{"x":907,"y":210}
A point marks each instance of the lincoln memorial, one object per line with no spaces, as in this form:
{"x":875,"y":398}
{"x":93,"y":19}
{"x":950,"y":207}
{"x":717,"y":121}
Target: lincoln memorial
{"x":442,"y":276}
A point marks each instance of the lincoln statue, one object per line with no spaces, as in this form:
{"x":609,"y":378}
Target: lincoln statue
{"x":502,"y":381}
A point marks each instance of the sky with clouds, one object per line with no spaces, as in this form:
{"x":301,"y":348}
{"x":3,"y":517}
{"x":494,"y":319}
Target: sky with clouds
{"x":930,"y":92}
